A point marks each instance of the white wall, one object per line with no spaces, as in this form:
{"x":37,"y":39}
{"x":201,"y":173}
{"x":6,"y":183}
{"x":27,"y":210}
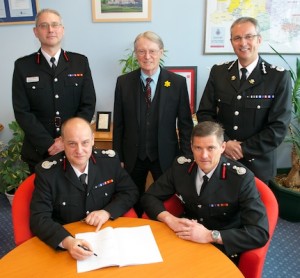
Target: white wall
{"x":181,"y":24}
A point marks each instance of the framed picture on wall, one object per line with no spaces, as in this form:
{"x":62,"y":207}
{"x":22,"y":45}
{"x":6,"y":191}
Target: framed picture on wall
{"x":103,"y":121}
{"x":121,"y":10}
{"x":190,"y":74}
{"x":18,"y":11}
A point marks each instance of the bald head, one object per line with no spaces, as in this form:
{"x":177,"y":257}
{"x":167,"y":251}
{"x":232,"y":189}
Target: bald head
{"x":78,"y":139}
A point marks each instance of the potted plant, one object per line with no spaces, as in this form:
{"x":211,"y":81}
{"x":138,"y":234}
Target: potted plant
{"x":13,"y":170}
{"x":286,"y":186}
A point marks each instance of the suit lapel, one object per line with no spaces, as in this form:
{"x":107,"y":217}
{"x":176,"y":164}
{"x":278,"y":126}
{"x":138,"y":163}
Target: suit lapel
{"x":136,"y":89}
{"x":163,"y":92}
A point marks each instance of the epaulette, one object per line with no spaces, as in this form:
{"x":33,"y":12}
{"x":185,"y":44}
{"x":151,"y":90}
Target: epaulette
{"x":233,"y":167}
{"x":104,"y":153}
{"x":52,"y":162}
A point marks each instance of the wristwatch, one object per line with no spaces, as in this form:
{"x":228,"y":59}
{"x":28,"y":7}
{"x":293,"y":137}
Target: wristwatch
{"x":215,"y":235}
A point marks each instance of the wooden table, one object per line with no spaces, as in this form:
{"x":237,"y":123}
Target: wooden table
{"x":180,"y":258}
{"x":103,"y":139}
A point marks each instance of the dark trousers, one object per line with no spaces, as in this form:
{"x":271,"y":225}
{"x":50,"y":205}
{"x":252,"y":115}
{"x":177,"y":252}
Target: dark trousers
{"x":139,"y":176}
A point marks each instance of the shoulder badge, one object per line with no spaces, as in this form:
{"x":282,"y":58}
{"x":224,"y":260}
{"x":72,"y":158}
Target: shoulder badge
{"x":48,"y":164}
{"x":240,"y":170}
{"x":183,"y":159}
{"x":279,"y":68}
{"x":110,"y":153}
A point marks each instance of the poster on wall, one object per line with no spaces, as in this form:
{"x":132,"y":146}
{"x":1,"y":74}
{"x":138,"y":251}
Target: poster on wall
{"x":18,"y":11}
{"x":279,"y":21}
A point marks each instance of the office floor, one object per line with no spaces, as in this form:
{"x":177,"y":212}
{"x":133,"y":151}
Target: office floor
{"x":283,"y":258}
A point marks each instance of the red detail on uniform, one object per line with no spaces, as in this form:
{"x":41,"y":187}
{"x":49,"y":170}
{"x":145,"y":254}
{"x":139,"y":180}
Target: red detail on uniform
{"x":191,"y":167}
{"x":66,"y":56}
{"x":93,"y":159}
{"x":38,"y":56}
{"x":223,"y":173}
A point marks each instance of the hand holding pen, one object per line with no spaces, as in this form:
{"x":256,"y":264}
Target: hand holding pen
{"x":86,"y":249}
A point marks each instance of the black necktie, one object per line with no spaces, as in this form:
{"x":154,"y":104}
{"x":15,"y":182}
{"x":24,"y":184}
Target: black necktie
{"x":52,"y":60}
{"x":243,"y":77}
{"x":148,"y":91}
{"x":205,"y":181}
{"x":82,"y":179}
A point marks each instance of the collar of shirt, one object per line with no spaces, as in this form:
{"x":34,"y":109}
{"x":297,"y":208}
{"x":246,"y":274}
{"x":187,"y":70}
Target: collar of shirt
{"x":48,"y":57}
{"x":153,"y":84}
{"x":201,"y":173}
{"x":78,"y":173}
{"x":249,"y":68}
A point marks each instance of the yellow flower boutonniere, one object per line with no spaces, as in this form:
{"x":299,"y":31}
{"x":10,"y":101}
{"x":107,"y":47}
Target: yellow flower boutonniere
{"x":167,"y":83}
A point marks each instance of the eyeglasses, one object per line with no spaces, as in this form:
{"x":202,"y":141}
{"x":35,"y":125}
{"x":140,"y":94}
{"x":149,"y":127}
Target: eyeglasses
{"x":248,"y":38}
{"x":151,"y":52}
{"x":45,"y":25}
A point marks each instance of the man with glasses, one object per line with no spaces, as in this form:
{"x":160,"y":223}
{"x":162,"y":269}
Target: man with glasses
{"x":150,"y":104}
{"x":50,"y":86}
{"x":252,"y":100}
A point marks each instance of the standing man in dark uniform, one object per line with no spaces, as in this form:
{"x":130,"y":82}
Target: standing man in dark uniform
{"x":150,"y":104}
{"x":254,"y":110}
{"x":49,"y":87}
{"x":219,"y":196}
{"x":78,"y":184}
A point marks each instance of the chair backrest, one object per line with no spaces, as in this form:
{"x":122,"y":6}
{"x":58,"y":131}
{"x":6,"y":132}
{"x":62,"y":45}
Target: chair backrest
{"x":21,"y":210}
{"x":252,"y":262}
{"x":131,"y":213}
{"x":172,"y":205}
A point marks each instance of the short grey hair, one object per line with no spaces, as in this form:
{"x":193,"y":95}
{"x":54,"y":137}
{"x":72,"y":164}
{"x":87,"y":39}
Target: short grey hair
{"x":150,"y":36}
{"x":47,"y":11}
{"x":246,"y":19}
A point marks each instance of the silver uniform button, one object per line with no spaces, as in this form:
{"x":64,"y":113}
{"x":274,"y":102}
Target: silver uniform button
{"x":258,"y":106}
{"x":63,"y":203}
{"x":56,"y":96}
{"x":239,"y":97}
{"x":236,"y":113}
{"x":33,"y":87}
{"x":57,"y":129}
{"x":55,"y":79}
{"x":57,"y":113}
{"x":235,"y":127}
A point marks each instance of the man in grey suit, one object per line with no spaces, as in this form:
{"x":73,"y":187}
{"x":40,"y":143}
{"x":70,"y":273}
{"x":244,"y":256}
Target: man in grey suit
{"x":150,"y":104}
{"x":50,"y":86}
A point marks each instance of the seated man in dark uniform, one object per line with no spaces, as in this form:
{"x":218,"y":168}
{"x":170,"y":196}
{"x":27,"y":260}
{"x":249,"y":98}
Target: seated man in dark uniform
{"x":77,"y":184}
{"x":220,"y":199}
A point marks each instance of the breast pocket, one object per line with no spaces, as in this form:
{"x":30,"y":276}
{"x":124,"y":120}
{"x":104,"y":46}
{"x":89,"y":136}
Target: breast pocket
{"x":259,"y":108}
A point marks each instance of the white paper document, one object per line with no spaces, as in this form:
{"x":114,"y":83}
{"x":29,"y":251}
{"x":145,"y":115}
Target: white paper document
{"x":120,"y":247}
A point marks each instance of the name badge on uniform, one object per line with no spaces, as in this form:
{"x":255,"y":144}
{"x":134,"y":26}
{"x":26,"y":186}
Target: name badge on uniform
{"x":32,"y":79}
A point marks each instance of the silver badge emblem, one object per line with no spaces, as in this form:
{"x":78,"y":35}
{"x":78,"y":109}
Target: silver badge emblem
{"x":48,"y":164}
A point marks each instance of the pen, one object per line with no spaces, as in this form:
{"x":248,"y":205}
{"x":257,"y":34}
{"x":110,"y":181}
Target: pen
{"x":86,"y":249}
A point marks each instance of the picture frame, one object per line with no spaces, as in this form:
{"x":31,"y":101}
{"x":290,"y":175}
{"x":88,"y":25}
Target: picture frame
{"x":121,"y":10}
{"x":103,"y":121}
{"x":190,"y":74}
{"x":18,"y":11}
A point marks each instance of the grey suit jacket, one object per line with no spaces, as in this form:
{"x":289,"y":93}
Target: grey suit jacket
{"x":173,"y":109}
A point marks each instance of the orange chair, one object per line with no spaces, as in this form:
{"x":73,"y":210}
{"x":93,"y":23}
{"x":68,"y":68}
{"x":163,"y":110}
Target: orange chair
{"x":21,"y":210}
{"x":252,"y":262}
